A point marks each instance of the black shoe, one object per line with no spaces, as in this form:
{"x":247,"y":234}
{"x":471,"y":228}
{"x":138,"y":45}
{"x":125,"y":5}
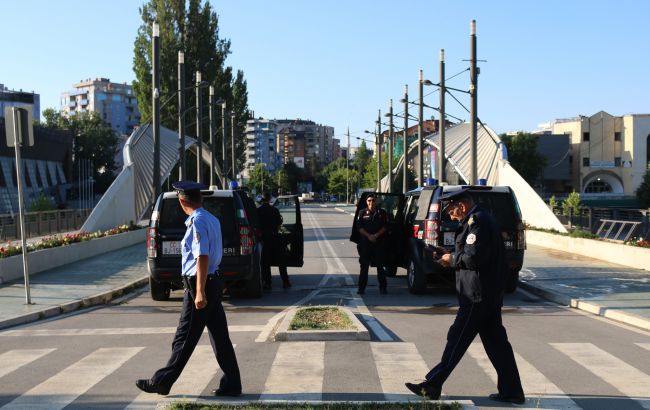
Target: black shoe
{"x":383,"y":291}
{"x":226,"y":392}
{"x":508,"y":399}
{"x":360,"y":292}
{"x":146,"y":385}
{"x":425,"y":389}
{"x":286,"y":285}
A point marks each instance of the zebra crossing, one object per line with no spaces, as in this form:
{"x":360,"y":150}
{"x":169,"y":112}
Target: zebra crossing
{"x":299,"y":369}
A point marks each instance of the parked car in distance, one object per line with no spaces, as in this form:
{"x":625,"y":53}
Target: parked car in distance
{"x":417,"y":226}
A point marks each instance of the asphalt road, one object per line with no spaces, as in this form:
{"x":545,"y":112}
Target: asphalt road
{"x":90,"y":359}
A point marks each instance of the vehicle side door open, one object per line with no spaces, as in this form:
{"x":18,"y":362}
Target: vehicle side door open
{"x":291,"y":232}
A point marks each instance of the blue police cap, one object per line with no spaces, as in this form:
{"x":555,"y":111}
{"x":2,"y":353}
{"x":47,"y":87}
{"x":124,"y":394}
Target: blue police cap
{"x":187,"y":187}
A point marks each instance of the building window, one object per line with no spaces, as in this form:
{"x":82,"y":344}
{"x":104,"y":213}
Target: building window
{"x":598,"y":187}
{"x":585,"y":136}
{"x":617,"y":161}
{"x":585,"y":161}
{"x":617,"y":136}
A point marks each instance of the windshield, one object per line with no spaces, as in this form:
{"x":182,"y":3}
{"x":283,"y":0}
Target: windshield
{"x":173,"y":217}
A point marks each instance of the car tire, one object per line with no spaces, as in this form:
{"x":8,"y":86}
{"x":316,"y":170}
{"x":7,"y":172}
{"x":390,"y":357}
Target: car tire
{"x":159,"y":291}
{"x":512,"y":281}
{"x":391,"y":271}
{"x":417,"y":281}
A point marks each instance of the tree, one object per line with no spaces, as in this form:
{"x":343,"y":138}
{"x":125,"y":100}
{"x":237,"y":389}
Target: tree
{"x":93,"y":140}
{"x":338,"y":182}
{"x":361,"y":158}
{"x":552,"y":203}
{"x":295,"y":174}
{"x":261,"y":180}
{"x":523,"y":155}
{"x":282,"y":178}
{"x":643,"y":192}
{"x":572,"y":203}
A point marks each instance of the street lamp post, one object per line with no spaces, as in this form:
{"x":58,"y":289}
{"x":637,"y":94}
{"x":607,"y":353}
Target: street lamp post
{"x":390,"y":146}
{"x":473,"y":74}
{"x":347,"y":170}
{"x":379,"y":141}
{"x":199,"y":133}
{"x":405,"y":138}
{"x":155,"y":109}
{"x":224,"y":170}
{"x":212,"y":145}
{"x":441,"y":123}
{"x":420,"y":131}
{"x":181,"y":115}
{"x":232,"y":143}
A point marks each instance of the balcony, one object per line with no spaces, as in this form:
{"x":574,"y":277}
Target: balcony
{"x":250,"y":144}
{"x":72,"y":104}
{"x":83,"y":102}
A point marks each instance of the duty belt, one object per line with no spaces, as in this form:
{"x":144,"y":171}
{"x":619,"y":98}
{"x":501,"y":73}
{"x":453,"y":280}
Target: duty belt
{"x":189,"y":282}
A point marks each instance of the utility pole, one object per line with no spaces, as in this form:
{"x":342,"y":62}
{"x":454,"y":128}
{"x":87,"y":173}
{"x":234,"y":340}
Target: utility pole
{"x":181,"y":114}
{"x":420,"y":131}
{"x":347,"y":170}
{"x":473,"y":75}
{"x":390,"y":146}
{"x":441,"y":123}
{"x":224,"y":170}
{"x":155,"y":109}
{"x":405,"y":139}
{"x":378,"y":150}
{"x":212,"y":145}
{"x":232,"y":143}
{"x":199,"y":133}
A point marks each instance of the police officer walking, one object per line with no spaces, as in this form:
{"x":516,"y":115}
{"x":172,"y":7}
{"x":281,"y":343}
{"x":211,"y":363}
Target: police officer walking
{"x":270,"y":222}
{"x":202,"y":250}
{"x":479,"y":261}
{"x":371,"y":225}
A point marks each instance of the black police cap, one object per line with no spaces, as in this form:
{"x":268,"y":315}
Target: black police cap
{"x":187,"y":187}
{"x":455,"y":196}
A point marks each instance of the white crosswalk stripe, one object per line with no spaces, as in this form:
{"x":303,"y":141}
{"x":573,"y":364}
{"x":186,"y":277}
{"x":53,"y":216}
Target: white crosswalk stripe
{"x":541,"y":393}
{"x":397,"y":363}
{"x":116,"y":331}
{"x":627,"y":379}
{"x":15,"y":359}
{"x":646,"y":346}
{"x":63,"y":388}
{"x":297,"y":372}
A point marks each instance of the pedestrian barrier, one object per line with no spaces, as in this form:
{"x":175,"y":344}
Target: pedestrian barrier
{"x":617,"y":230}
{"x":42,"y":223}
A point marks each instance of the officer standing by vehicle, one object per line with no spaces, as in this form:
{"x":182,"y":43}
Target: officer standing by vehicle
{"x":479,"y":261}
{"x":202,"y":250}
{"x":371,"y":224}
{"x":270,"y":222}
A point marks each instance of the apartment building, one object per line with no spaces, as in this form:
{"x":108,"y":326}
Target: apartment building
{"x":12,"y":98}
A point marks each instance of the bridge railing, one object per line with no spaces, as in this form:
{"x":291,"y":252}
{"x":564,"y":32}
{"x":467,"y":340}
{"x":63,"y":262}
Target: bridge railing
{"x":606,"y":222}
{"x":42,"y":223}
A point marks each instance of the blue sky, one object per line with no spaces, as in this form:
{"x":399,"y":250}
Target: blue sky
{"x":337,"y":62}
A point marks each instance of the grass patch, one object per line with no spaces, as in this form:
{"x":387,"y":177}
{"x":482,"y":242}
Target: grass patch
{"x":421,"y":405}
{"x":320,"y":318}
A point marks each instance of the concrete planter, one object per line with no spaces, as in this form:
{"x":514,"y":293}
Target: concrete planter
{"x":358,"y":333}
{"x":626,"y":255}
{"x":12,"y":268}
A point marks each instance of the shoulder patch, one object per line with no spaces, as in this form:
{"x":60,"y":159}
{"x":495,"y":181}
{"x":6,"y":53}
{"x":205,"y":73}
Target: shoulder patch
{"x":197,"y":236}
{"x":471,"y":238}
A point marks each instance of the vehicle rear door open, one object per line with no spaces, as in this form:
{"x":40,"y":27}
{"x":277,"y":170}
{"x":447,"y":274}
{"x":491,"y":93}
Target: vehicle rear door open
{"x":291,"y":232}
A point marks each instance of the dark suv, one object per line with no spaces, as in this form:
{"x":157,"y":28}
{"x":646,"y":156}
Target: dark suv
{"x":417,"y":225}
{"x":240,"y":264}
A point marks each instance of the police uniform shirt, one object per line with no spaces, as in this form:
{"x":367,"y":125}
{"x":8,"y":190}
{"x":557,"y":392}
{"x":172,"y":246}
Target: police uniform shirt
{"x":202,"y":237}
{"x":372,"y":222}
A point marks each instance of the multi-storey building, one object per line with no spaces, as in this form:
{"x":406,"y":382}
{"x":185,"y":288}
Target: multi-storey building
{"x":261,"y":145}
{"x":12,"y":98}
{"x":114,"y":102}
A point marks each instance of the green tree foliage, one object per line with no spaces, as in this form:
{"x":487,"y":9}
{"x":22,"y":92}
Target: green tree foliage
{"x":370,"y":174}
{"x":523,"y":155}
{"x":552,"y":203}
{"x":261,"y":180}
{"x":282,"y":179}
{"x":362,"y":158}
{"x":42,"y":203}
{"x":573,"y":203}
{"x":93,"y":140}
{"x":341,"y":178}
{"x":295,"y":174}
{"x":643,"y":192}
{"x":191,"y":27}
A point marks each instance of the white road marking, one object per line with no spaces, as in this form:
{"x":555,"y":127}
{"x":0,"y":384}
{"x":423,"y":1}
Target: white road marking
{"x":541,"y":393}
{"x":396,"y":364}
{"x":627,"y":379}
{"x":296,"y":373}
{"x":116,"y":331}
{"x":63,"y":388}
{"x":646,"y":346}
{"x":15,"y":359}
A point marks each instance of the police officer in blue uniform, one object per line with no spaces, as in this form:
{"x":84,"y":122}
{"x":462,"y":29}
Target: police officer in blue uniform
{"x":479,"y":261}
{"x":371,"y":225}
{"x":202,"y":250}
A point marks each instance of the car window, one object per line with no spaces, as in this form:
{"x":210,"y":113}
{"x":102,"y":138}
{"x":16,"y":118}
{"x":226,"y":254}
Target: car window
{"x":412,"y":209}
{"x":173,"y":217}
{"x":389,"y":203}
{"x":287,"y":208}
{"x":502,"y":207}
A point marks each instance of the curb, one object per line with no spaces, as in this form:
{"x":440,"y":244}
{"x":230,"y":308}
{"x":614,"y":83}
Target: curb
{"x":415,"y":403}
{"x":98,"y":299}
{"x":586,"y":306}
{"x":285,"y":335}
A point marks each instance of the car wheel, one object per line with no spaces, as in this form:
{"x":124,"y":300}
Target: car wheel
{"x":391,"y":271}
{"x":512,"y":280}
{"x":416,"y":280}
{"x":159,"y":291}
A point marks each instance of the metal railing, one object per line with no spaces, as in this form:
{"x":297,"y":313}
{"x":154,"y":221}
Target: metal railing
{"x":610,"y":223}
{"x":42,"y":223}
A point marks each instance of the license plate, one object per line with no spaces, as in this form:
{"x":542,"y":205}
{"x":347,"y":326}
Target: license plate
{"x":171,"y":248}
{"x":448,"y":238}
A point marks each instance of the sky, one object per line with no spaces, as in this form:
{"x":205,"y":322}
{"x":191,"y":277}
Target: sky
{"x":338,"y":62}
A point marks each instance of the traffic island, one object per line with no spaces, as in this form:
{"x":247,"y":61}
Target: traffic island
{"x":321,"y":323}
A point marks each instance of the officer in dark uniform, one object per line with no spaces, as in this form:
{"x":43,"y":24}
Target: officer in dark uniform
{"x":270,"y":222}
{"x":202,"y":249}
{"x":371,"y":224}
{"x":479,"y":261}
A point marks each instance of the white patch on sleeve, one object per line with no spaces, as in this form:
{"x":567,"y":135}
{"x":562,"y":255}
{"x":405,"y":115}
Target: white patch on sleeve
{"x":471,"y":238}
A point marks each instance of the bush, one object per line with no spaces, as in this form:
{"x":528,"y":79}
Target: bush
{"x":639,"y":242}
{"x":573,"y":203}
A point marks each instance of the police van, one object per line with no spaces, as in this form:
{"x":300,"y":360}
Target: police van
{"x":242,"y":247}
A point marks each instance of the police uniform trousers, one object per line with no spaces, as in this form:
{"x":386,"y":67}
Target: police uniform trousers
{"x":190,"y":327}
{"x":371,"y":253}
{"x":273,"y":248}
{"x":484,"y":319}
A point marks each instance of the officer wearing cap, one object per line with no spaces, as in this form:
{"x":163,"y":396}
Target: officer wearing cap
{"x":371,"y":225}
{"x":479,"y":261}
{"x":202,"y":250}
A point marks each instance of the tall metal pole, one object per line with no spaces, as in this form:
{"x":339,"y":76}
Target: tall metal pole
{"x":405,"y":139}
{"x":473,"y":74}
{"x":347,"y":170}
{"x":181,"y":114}
{"x":379,"y":150}
{"x":212,"y":145}
{"x":155,"y":109}
{"x":441,"y":123}
{"x":199,"y":133}
{"x":420,"y":131}
{"x":390,"y":146}
{"x":224,"y":170}
{"x":21,"y":203}
{"x":232,"y":144}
